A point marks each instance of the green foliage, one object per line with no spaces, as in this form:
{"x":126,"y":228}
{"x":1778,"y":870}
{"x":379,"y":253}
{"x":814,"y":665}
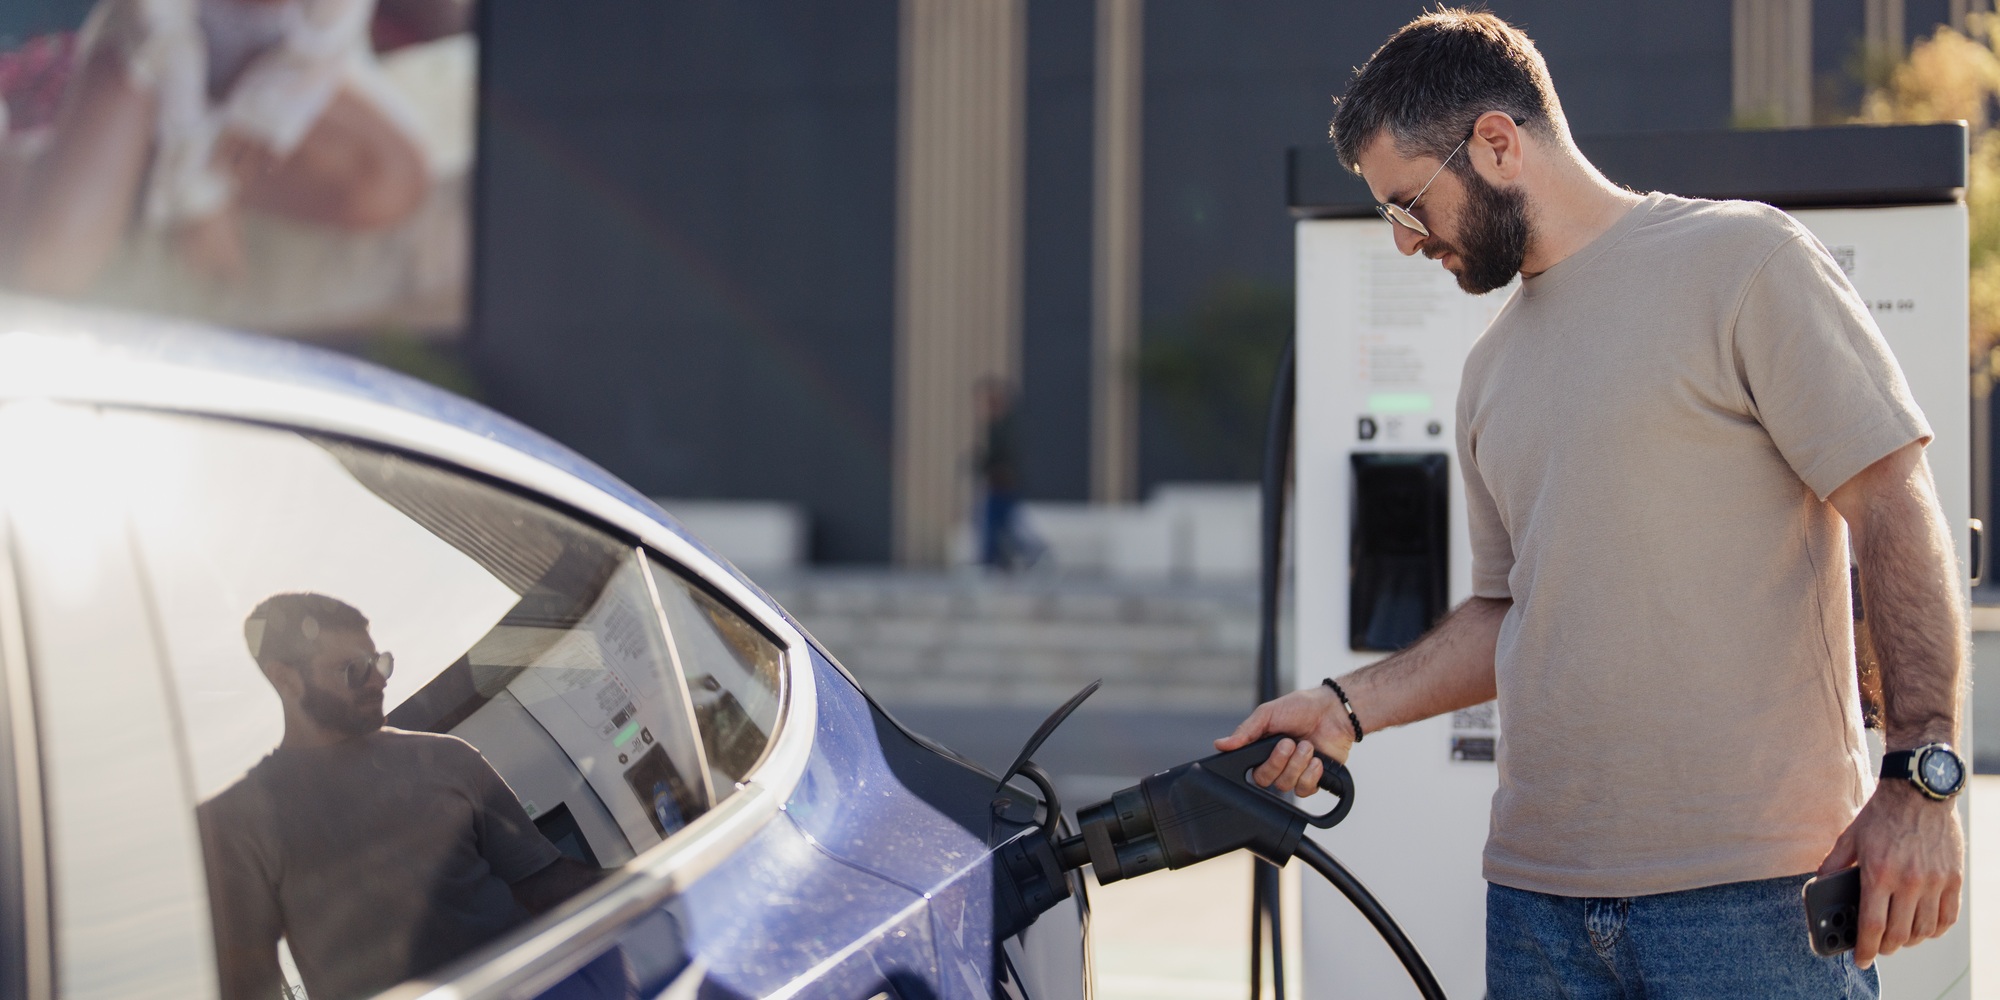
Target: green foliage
{"x":1956,"y":76}
{"x":1210,"y":370}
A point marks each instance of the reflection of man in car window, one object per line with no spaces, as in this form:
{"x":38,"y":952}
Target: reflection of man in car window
{"x":377,"y":854}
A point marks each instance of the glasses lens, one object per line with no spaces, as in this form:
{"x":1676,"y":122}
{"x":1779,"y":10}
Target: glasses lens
{"x":1395,"y":214}
{"x":358,"y":670}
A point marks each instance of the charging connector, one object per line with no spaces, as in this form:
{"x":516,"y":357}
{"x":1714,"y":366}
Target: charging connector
{"x":1196,"y":811}
{"x":1204,"y":809}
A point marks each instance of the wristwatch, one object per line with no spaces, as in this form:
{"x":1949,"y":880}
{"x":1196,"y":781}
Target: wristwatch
{"x":1933,"y":768}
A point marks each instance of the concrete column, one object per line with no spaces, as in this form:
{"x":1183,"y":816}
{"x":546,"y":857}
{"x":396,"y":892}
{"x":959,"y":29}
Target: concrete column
{"x":1771,"y":56}
{"x":1114,"y":320}
{"x":1882,"y":23}
{"x":960,"y":128}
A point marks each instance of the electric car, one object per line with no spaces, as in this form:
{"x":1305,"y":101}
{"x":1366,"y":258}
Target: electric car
{"x":259,"y":601}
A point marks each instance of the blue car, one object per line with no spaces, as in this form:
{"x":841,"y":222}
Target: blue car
{"x":316,"y":681}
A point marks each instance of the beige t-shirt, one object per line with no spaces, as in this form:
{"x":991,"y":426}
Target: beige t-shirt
{"x":1648,"y":433}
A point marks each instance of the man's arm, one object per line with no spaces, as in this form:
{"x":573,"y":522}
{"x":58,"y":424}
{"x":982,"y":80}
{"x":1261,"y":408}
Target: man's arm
{"x":243,"y":907}
{"x":1451,"y":667}
{"x":1910,"y":849}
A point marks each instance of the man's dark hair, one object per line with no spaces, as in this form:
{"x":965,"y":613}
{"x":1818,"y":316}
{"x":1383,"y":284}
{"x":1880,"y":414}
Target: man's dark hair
{"x":1435,"y":76}
{"x":286,"y":627}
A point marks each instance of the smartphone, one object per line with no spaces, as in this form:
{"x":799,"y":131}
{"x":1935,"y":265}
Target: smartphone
{"x":1833,"y":911}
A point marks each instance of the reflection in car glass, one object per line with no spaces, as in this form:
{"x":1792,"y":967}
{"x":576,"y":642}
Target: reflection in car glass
{"x":734,"y":676}
{"x":457,"y":707}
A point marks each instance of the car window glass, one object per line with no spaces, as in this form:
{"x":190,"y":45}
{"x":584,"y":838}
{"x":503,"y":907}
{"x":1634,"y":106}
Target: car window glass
{"x":420,"y":708}
{"x":733,"y":671}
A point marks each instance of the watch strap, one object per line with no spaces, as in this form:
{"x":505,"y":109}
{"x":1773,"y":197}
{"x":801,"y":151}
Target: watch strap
{"x":1899,"y":765}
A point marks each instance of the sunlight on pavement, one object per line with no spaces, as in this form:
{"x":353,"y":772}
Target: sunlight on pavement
{"x":1174,"y":935}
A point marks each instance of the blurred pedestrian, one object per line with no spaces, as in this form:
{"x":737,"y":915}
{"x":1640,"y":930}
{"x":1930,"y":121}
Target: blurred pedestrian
{"x":1003,"y":545}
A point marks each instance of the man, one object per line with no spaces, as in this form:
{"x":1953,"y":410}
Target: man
{"x":377,"y":854}
{"x":1669,"y":436}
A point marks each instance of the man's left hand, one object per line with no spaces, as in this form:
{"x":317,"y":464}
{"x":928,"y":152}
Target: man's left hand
{"x":1912,"y":857}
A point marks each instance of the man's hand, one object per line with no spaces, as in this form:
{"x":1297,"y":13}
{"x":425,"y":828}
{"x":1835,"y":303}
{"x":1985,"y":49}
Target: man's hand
{"x":1314,"y":715}
{"x":1912,"y":857}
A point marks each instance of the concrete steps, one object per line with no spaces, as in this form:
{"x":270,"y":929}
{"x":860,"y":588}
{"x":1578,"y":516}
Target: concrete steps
{"x":1032,"y":641}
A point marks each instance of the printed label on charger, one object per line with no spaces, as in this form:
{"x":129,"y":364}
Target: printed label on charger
{"x":1474,"y":731}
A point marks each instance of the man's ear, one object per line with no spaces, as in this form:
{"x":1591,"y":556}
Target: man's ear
{"x":1496,"y":150}
{"x":289,"y":681}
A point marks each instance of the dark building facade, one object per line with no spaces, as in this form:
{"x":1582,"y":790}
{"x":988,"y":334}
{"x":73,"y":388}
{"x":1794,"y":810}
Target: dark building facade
{"x":686,"y":239}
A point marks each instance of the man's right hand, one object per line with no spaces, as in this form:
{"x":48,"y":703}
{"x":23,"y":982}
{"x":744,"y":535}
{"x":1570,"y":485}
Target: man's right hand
{"x":1318,"y":723}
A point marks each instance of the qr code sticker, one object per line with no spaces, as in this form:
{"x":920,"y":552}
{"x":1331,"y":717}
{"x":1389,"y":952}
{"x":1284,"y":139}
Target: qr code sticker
{"x":1478,"y":717}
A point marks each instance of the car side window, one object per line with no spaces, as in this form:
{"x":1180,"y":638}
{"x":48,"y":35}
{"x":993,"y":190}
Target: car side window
{"x":420,"y":709}
{"x":734,"y":673}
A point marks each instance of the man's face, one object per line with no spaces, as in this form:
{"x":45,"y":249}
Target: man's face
{"x":1479,"y":232}
{"x":327,"y":697}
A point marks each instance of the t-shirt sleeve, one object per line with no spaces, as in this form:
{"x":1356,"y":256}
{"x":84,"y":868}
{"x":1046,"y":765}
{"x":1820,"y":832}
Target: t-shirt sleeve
{"x":1815,"y":370}
{"x":1492,"y":548}
{"x":508,"y":839}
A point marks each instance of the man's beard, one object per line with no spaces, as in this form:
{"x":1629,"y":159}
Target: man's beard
{"x":1492,"y":236}
{"x":339,"y":714}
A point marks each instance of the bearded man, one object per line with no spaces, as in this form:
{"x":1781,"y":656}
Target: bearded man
{"x":377,"y":854}
{"x":1669,"y":437}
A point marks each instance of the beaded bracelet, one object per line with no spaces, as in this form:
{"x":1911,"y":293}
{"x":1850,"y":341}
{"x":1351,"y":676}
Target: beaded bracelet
{"x":1352,"y":719}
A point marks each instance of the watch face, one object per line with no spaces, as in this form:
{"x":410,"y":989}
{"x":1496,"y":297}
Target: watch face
{"x":1941,"y":771}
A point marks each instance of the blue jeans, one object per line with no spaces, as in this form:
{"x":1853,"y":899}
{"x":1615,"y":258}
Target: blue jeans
{"x":1743,"y":939}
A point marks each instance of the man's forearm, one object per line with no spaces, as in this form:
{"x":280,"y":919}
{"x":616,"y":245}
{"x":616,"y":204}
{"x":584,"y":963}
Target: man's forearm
{"x":1450,"y":668}
{"x":1915,"y":616}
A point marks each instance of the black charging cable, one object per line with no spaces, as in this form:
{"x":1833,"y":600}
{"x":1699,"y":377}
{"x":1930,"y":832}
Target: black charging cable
{"x":1320,"y":861}
{"x":1264,"y":897}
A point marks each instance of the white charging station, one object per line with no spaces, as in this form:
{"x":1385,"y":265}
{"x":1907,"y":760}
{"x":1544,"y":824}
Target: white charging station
{"x":1381,"y":340}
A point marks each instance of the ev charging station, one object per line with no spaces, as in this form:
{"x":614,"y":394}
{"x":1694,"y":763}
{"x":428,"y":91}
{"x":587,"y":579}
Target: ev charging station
{"x":1381,"y":547}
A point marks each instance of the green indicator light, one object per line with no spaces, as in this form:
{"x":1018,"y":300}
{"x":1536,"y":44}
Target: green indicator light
{"x":1399,"y":402}
{"x":630,"y":730}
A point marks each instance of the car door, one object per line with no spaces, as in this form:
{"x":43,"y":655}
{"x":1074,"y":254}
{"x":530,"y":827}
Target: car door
{"x":534,"y":668}
{"x":123,"y":857}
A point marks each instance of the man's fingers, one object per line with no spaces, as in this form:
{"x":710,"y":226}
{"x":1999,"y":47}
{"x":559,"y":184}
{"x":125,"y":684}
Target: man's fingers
{"x":1842,"y":856}
{"x":1948,"y":905}
{"x":1247,"y":731}
{"x":1923,"y":919}
{"x":1309,"y":781}
{"x":1902,"y":912}
{"x":1302,"y":757}
{"x":1874,"y":916}
{"x":1274,"y":765}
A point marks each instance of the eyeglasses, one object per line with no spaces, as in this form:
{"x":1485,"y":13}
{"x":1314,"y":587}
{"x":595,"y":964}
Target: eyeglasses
{"x":356,"y":670}
{"x":1401,"y":216}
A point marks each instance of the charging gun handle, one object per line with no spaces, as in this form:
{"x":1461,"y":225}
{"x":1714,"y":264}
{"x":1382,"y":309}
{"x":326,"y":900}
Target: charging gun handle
{"x":1237,"y":764}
